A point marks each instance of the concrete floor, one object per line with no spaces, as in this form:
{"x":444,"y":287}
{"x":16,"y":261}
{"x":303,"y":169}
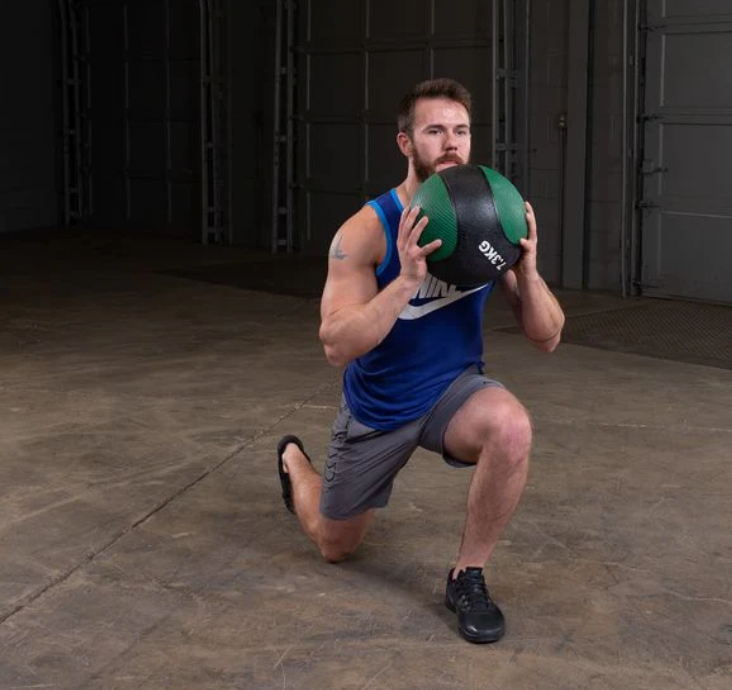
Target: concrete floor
{"x":143,"y":542}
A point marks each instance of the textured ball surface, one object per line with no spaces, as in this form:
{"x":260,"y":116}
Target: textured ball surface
{"x":480,"y":217}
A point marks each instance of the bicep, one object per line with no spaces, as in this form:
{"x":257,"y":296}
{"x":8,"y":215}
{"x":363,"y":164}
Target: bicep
{"x":351,"y":277}
{"x":347,"y":285}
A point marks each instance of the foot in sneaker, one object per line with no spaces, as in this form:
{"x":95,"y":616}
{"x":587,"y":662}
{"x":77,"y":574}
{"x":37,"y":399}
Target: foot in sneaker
{"x":479,"y":619}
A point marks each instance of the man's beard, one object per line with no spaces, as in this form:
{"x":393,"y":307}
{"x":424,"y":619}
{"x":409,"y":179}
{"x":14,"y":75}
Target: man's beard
{"x":423,"y":169}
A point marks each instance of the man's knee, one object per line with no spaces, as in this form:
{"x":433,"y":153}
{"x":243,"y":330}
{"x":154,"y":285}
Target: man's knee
{"x":512,"y":432}
{"x":519,"y":429}
{"x":334,"y":552}
{"x":339,"y":539}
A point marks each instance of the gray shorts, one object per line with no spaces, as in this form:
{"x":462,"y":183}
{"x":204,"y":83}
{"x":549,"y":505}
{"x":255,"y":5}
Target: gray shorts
{"x":363,"y":462}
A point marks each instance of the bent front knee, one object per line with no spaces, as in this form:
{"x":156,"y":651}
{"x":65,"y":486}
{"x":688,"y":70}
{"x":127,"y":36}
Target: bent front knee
{"x":520,"y":430}
{"x":514,"y":437}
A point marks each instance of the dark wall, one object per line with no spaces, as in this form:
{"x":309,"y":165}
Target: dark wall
{"x":28,"y":84}
{"x":251,"y":66}
{"x":356,"y":64}
{"x":145,"y":115}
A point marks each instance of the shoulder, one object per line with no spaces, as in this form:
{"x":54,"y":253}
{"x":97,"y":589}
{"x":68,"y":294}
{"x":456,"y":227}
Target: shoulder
{"x":362,"y":234}
{"x":365,"y":221}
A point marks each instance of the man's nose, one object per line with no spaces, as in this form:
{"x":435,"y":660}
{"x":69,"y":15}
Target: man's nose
{"x":451,"y":142}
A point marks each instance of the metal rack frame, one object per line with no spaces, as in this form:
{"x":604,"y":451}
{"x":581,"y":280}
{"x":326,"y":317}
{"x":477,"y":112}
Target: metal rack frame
{"x":505,"y":147}
{"x":76,"y":105}
{"x":283,"y":185}
{"x":214,"y":103}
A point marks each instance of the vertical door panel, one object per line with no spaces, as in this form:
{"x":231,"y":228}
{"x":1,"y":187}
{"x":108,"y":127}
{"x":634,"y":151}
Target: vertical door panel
{"x":687,"y":199}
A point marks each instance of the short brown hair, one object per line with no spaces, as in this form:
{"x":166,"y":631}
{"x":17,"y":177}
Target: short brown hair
{"x":433,"y":88}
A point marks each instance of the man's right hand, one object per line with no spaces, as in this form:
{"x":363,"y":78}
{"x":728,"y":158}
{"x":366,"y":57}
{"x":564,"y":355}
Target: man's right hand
{"x":355,"y":315}
{"x":412,"y":257}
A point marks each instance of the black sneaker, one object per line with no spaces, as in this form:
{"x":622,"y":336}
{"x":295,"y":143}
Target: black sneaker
{"x":479,"y":619}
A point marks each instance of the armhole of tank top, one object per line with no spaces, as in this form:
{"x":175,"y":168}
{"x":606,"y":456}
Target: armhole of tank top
{"x":387,"y":232}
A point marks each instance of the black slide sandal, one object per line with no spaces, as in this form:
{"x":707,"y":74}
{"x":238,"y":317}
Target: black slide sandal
{"x":284,"y":477}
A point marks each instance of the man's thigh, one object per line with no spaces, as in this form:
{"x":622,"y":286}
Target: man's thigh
{"x":483,"y":416}
{"x":361,"y":466}
{"x":471,"y":390}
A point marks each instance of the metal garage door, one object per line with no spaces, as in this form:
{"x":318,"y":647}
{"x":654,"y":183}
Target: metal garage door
{"x":356,"y":60}
{"x":687,"y":190}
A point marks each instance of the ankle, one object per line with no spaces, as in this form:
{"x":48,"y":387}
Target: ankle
{"x":461,"y":567}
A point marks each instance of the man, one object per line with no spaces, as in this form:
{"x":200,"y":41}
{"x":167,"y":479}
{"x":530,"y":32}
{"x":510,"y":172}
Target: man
{"x":397,"y":394}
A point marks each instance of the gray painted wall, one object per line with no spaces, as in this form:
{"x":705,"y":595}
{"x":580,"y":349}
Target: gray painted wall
{"x":549,"y":72}
{"x":604,"y":149}
{"x":548,"y":98}
{"x":28,"y":175}
{"x":686,"y":222}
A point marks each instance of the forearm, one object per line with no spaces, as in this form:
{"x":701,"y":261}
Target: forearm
{"x":542,"y":318}
{"x":355,"y":330}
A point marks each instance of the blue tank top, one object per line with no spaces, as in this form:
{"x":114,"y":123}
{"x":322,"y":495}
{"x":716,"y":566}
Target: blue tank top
{"x":438,"y":335}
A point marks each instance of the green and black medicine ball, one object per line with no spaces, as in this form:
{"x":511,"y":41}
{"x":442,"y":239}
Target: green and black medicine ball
{"x":479,"y":216}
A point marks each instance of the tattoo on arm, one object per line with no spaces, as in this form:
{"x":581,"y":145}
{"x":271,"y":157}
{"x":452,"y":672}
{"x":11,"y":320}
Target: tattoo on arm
{"x":335,"y":249}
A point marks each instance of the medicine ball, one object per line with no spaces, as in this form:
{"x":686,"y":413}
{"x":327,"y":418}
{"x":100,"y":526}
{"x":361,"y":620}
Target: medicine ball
{"x":479,"y":216}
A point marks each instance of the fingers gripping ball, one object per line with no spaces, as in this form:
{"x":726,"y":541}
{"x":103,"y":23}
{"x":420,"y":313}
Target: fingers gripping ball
{"x":479,"y":216}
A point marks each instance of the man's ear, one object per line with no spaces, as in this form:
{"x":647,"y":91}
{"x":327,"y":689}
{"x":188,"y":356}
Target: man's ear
{"x":405,"y":144}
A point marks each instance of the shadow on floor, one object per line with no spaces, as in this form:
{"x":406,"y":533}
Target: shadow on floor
{"x":293,"y":276}
{"x":676,"y":330}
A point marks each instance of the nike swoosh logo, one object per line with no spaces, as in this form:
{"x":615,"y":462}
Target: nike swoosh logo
{"x":417,"y":311}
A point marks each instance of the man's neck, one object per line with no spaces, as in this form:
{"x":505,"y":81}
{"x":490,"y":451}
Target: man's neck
{"x":407,"y":189}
